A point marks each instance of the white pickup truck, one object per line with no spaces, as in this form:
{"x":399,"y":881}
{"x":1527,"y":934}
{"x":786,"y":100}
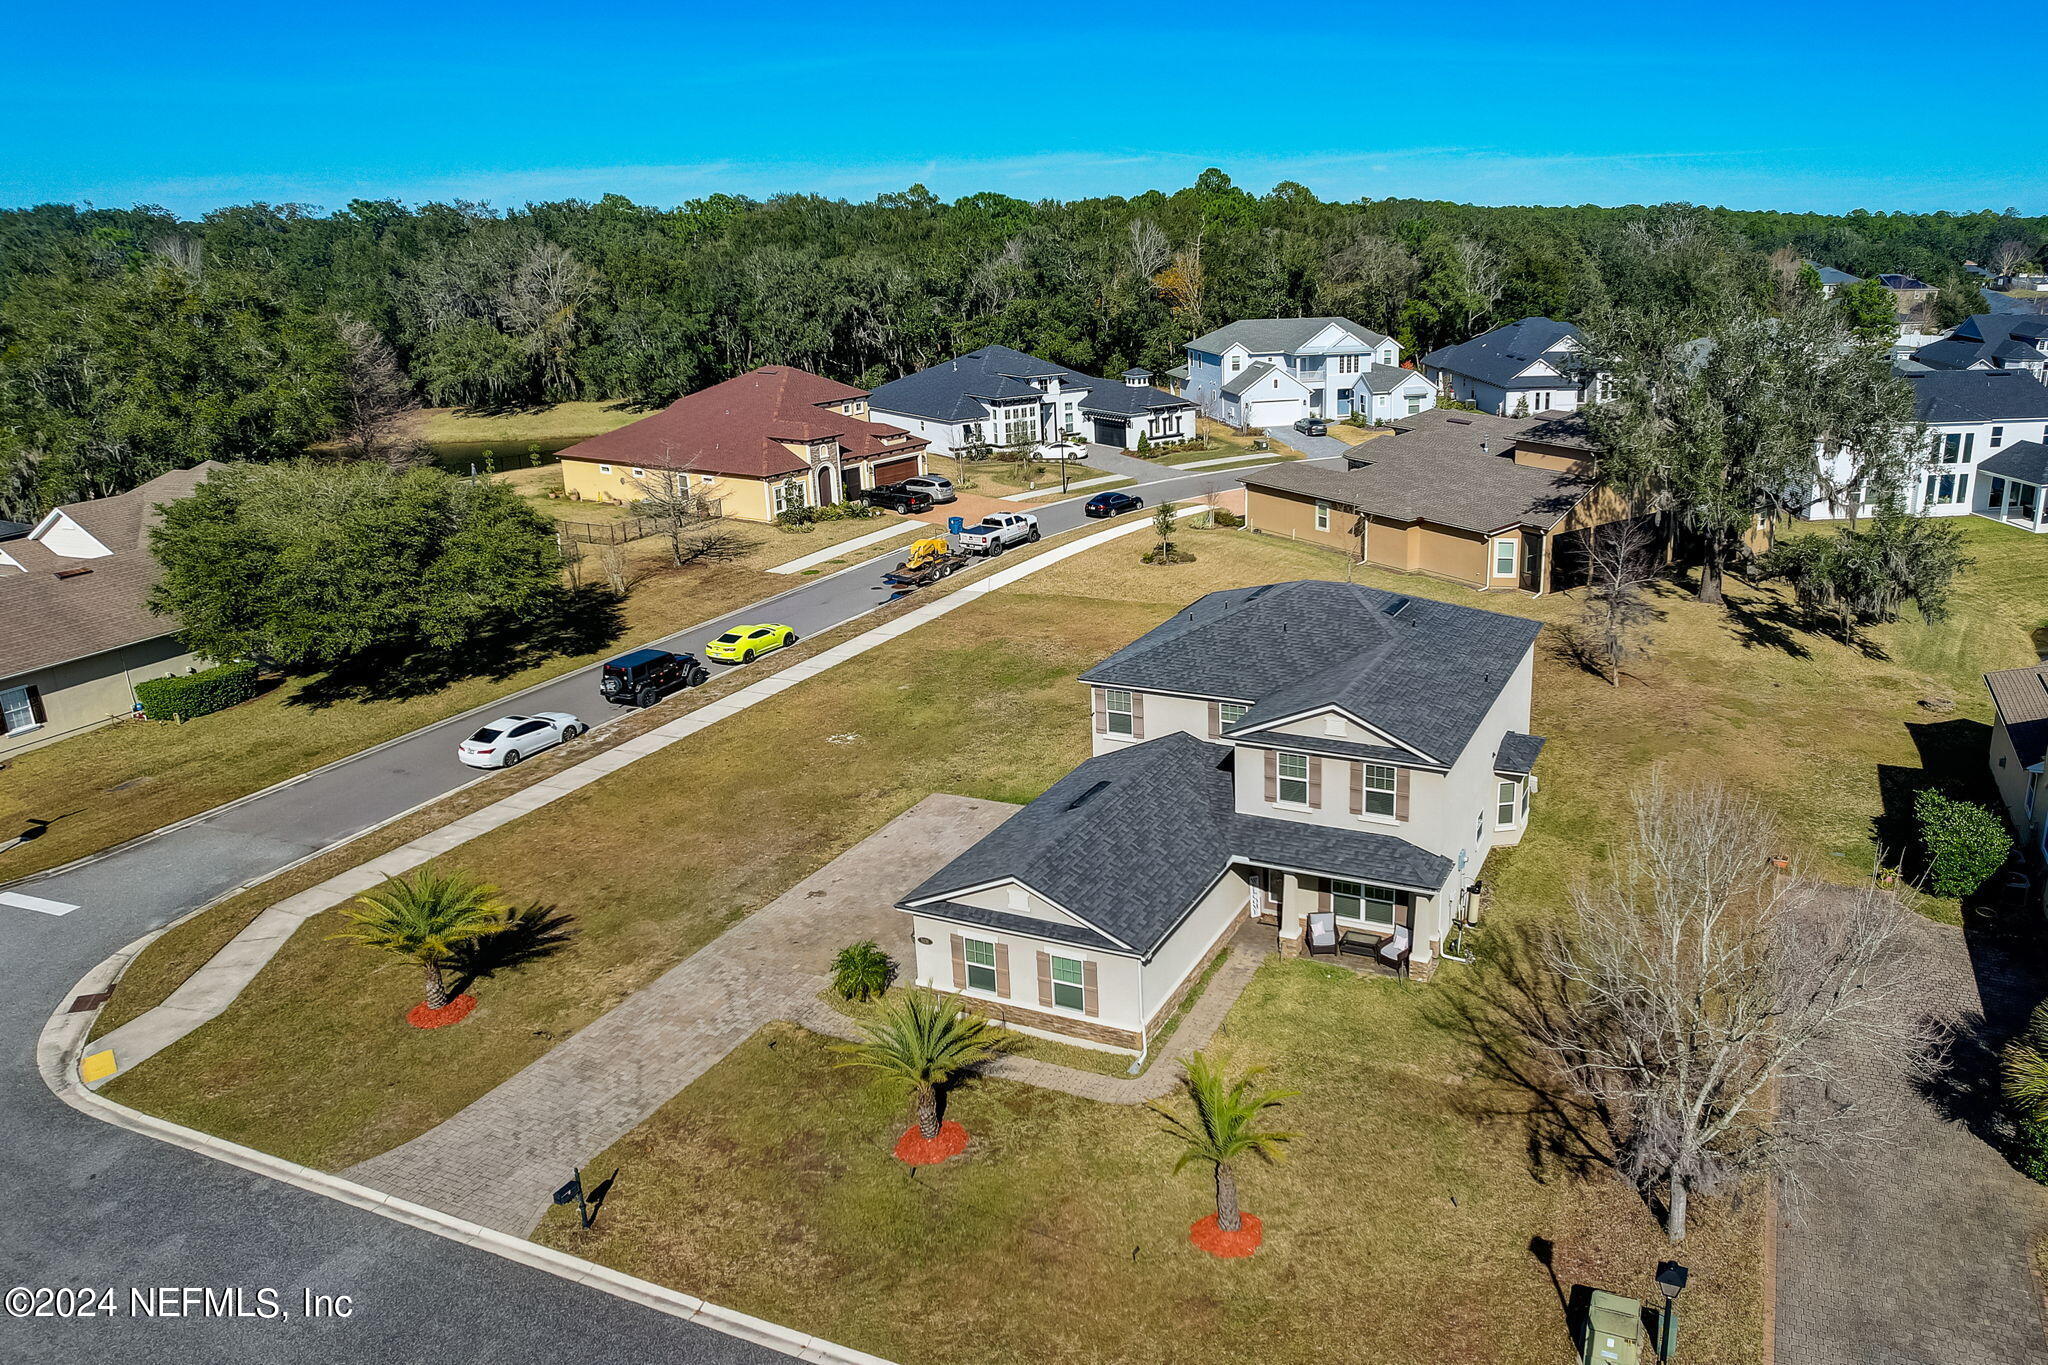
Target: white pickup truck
{"x":997,"y":532}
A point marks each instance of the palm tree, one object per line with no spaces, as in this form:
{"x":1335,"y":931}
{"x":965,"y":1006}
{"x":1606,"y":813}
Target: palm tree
{"x":424,"y":919}
{"x":925,"y":1039}
{"x":1221,"y":1131}
{"x":861,"y":971}
{"x":2026,"y":1068}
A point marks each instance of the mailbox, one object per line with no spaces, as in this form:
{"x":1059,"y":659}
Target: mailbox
{"x":1614,"y":1331}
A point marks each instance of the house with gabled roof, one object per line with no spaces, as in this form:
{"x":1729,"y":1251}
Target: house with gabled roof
{"x":2019,"y":751}
{"x":1269,"y":372}
{"x":1991,"y":341}
{"x":74,"y":599}
{"x":1329,"y":761}
{"x":1001,"y":397}
{"x":1523,"y":368}
{"x":752,"y":447}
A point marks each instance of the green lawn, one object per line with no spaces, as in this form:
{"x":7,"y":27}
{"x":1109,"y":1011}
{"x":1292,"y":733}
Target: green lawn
{"x":516,"y":425}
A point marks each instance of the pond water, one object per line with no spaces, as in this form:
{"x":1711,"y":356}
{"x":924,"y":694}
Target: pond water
{"x":478,"y":457}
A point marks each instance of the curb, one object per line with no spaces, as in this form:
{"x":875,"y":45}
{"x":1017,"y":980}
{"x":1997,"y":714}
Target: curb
{"x":61,"y":1038}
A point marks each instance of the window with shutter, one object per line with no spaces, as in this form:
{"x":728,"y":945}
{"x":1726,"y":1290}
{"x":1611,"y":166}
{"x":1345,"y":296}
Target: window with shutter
{"x":20,"y":710}
{"x":1292,"y":772}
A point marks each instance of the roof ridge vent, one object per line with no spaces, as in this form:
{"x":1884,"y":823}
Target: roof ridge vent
{"x":71,"y":573}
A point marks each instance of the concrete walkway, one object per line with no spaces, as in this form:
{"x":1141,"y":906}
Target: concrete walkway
{"x":498,"y":1160}
{"x":1932,"y":1261}
{"x":211,"y":989}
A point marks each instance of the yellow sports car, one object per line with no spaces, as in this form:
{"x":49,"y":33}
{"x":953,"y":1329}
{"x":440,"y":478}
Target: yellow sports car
{"x":740,"y":644}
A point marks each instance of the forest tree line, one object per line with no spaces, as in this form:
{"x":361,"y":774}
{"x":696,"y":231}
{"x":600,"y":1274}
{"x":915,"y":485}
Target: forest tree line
{"x":133,"y":342}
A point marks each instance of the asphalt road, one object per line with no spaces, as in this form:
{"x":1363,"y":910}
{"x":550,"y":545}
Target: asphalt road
{"x":84,"y":1203}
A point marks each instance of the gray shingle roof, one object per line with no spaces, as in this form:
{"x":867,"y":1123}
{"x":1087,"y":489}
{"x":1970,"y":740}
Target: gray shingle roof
{"x":1829,"y":275}
{"x":2027,"y":462}
{"x":1433,"y":469}
{"x":1131,"y":839}
{"x":1978,"y":396}
{"x":2021,"y":696}
{"x":1988,"y":336}
{"x":1253,"y":374}
{"x":1387,"y":378}
{"x":1517,"y":753}
{"x":1425,"y":676}
{"x":1285,"y":335}
{"x":1903,"y":282}
{"x":954,"y":390}
{"x":1498,"y":356}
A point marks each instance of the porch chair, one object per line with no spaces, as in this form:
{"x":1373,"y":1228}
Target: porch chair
{"x":1394,"y":952}
{"x":1322,"y":935}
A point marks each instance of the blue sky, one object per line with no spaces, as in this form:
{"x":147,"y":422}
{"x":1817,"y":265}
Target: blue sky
{"x":1792,"y":105}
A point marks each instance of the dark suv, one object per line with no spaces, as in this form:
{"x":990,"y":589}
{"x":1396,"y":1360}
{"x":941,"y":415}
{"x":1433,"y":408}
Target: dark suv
{"x":1312,"y":426}
{"x":899,"y":499}
{"x":645,"y":676}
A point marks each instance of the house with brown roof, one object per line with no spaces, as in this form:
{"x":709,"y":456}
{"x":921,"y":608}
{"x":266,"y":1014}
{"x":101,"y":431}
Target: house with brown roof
{"x":754,"y":446}
{"x":2019,"y":751}
{"x":1492,"y":502}
{"x":74,"y":593}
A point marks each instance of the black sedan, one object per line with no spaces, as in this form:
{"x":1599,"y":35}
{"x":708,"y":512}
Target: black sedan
{"x":1112,"y":504}
{"x":1312,"y":426}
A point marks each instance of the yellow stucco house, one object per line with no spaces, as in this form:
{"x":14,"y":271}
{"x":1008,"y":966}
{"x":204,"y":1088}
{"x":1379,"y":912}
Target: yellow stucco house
{"x":751,"y":447}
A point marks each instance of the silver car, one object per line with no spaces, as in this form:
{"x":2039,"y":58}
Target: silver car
{"x":508,"y":739}
{"x":936,"y":487}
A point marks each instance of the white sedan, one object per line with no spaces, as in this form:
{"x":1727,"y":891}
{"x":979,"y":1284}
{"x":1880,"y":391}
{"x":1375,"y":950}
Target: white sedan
{"x":508,"y":739}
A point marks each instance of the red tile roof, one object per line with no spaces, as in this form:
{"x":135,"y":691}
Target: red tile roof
{"x":736,"y":427}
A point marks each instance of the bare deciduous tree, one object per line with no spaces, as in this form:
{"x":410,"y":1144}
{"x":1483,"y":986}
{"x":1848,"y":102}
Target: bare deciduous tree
{"x":376,"y":400}
{"x":1621,"y":564}
{"x":1482,"y":269}
{"x":1149,"y":251}
{"x":1697,"y":981}
{"x":680,"y":516}
{"x":2008,"y":256}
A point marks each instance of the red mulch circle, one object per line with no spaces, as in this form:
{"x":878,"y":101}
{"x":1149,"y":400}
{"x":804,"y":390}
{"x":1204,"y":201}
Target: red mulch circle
{"x":1228,"y":1245}
{"x":454,"y":1012}
{"x":913,"y":1150}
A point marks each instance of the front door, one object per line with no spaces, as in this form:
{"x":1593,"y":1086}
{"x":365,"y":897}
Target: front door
{"x":1532,"y":561}
{"x":1266,"y":885}
{"x":828,"y":492}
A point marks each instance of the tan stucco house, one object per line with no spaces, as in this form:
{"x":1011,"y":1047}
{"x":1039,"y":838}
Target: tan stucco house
{"x":74,"y":597}
{"x":2019,"y":752}
{"x":1491,"y":502}
{"x":1305,"y":756}
{"x":751,"y":447}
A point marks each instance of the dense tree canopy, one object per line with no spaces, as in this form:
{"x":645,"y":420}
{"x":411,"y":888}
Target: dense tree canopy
{"x":134,"y":341}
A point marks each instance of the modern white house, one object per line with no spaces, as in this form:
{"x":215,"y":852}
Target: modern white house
{"x":1268,"y":372}
{"x":1328,"y":760}
{"x":1001,"y":397}
{"x":1520,"y":369}
{"x":1987,"y":450}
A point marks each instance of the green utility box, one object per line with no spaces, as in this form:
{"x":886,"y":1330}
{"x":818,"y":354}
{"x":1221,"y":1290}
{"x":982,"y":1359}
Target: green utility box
{"x":1614,"y":1331}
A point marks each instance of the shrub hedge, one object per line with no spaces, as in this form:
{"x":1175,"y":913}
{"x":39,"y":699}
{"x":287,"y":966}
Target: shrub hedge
{"x":1965,"y":843}
{"x":198,"y":694}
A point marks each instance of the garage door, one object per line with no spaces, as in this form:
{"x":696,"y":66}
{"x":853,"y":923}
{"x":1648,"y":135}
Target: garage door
{"x":1111,"y":433}
{"x":1273,"y":412}
{"x":896,"y":471}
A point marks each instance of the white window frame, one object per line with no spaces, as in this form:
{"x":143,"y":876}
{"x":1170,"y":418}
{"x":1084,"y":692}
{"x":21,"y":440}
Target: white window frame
{"x":1282,"y":779}
{"x":1229,"y":713}
{"x":1506,"y":797}
{"x":1322,"y":515}
{"x":18,"y":701}
{"x":604,"y":469}
{"x":641,"y":474}
{"x":1236,"y":363}
{"x":1603,"y":388}
{"x":969,"y":966}
{"x":1128,"y":713}
{"x":786,"y":496}
{"x":1514,"y":554}
{"x":1382,"y":780}
{"x":1079,"y":985}
{"x":1353,"y":897}
{"x":1348,"y":364}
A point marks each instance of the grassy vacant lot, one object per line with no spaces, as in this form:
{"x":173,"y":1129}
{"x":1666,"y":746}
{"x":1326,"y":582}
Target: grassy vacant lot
{"x":516,"y":425}
{"x":124,"y":780}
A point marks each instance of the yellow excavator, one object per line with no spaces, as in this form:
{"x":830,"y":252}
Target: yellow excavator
{"x":929,"y":560}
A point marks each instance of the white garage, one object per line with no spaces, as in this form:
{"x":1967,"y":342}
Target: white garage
{"x":1263,"y":396}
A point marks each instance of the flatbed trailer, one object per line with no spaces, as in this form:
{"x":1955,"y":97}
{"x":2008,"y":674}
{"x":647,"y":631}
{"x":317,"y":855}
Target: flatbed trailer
{"x":928,"y":562}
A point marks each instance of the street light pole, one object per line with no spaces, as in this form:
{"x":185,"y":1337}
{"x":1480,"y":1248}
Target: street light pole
{"x":1671,"y":1278}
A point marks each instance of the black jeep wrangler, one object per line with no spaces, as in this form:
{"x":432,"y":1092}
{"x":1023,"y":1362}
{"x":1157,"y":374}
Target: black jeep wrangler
{"x":645,"y":676}
{"x":896,"y":498}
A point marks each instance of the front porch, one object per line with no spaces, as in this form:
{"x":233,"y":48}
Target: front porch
{"x":1371,"y":929}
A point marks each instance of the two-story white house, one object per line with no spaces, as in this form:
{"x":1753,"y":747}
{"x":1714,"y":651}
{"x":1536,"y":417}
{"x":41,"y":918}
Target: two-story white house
{"x":1987,"y":450}
{"x":998,"y":396}
{"x":1268,"y":372}
{"x":1520,"y":369}
{"x":1327,"y":759}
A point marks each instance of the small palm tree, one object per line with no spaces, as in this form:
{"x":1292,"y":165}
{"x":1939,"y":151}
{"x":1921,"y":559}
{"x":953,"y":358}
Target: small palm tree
{"x":927,"y":1040}
{"x":861,"y":971}
{"x":2026,"y":1068}
{"x":424,"y":919}
{"x":1221,"y":1131}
